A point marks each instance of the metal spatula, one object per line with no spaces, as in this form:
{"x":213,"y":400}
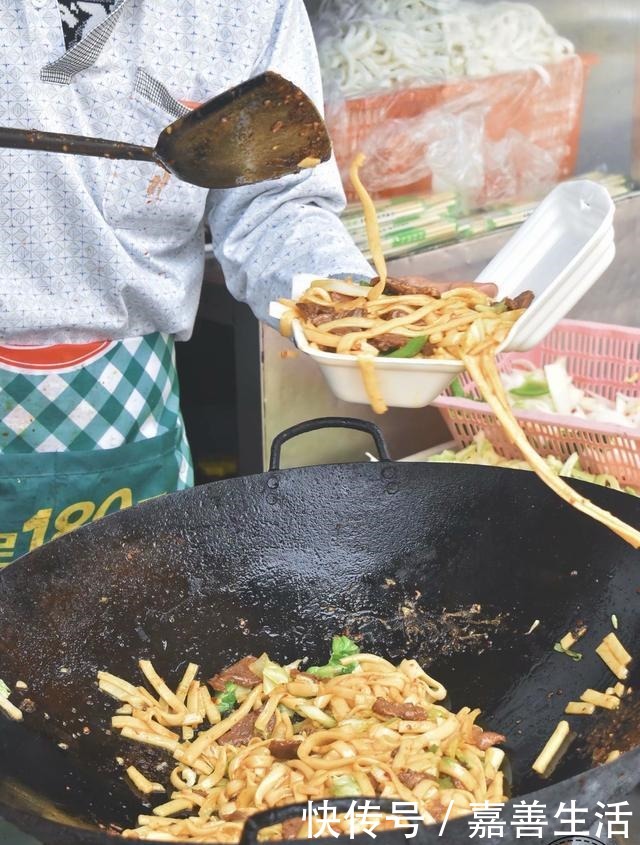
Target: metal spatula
{"x":263,"y":129}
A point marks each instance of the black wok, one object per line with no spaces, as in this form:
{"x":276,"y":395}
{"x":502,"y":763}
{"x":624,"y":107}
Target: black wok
{"x":450,"y":564}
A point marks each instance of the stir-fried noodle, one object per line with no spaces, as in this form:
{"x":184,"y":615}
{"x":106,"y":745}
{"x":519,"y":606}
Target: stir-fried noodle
{"x":359,"y":726}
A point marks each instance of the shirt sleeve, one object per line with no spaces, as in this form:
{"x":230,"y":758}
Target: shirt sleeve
{"x":263,"y":234}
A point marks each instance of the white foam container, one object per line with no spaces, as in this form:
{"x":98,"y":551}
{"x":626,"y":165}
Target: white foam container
{"x":558,"y":253}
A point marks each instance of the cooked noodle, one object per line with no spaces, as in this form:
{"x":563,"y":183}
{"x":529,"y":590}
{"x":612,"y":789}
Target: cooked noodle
{"x":342,"y":738}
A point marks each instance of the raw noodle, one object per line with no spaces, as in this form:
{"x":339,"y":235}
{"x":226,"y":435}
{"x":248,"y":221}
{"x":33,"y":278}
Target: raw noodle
{"x":375,"y":45}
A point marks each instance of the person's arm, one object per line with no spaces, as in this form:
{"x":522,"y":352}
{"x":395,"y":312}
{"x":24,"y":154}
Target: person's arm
{"x":263,"y":234}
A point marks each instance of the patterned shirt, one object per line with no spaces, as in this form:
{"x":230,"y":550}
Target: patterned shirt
{"x":96,"y":249}
{"x":79,"y":17}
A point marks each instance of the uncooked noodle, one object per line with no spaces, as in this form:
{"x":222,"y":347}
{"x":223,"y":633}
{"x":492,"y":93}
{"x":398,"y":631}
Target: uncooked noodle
{"x":374,"y":45}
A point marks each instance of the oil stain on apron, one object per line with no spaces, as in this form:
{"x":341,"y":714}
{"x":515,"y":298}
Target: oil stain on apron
{"x":85,"y":430}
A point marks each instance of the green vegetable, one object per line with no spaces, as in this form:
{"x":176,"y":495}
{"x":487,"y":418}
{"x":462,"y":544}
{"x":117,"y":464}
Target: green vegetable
{"x":344,"y":786}
{"x":340,"y":647}
{"x":273,"y":676}
{"x":574,"y":655}
{"x":227,"y":700}
{"x":457,"y":389}
{"x":445,"y":783}
{"x":343,"y":647}
{"x":411,"y":348}
{"x":310,"y":711}
{"x":5,"y":692}
{"x":259,"y":666}
{"x":271,"y":673}
{"x":531,"y":389}
{"x":328,"y":671}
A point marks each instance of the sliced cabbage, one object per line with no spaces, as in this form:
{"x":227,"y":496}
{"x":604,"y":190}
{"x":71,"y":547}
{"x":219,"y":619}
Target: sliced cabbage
{"x":344,"y":786}
{"x":310,"y":711}
{"x":272,"y":674}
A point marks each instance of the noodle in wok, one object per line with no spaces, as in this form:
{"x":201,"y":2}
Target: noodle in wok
{"x":359,"y":726}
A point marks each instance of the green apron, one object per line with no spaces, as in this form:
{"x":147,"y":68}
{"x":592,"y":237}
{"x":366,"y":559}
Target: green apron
{"x":126,"y":395}
{"x":45,"y":495}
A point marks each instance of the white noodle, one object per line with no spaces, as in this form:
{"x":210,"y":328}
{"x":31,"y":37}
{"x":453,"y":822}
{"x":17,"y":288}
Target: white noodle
{"x":377,"y":45}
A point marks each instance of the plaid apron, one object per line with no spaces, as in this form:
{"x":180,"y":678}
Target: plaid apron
{"x":86,"y":430}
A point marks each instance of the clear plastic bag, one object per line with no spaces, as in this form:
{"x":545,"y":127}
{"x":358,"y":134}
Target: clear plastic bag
{"x":439,"y":146}
{"x":448,"y":148}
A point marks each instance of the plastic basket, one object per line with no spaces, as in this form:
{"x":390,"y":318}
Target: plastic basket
{"x":546,"y":111}
{"x":600,"y":357}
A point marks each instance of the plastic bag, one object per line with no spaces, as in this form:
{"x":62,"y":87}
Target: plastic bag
{"x":440,"y":147}
{"x":459,"y":134}
{"x":450,"y":150}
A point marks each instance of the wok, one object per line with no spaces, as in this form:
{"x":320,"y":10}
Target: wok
{"x":450,"y":564}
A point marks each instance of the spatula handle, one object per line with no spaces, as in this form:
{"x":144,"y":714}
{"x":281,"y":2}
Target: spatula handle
{"x":54,"y":142}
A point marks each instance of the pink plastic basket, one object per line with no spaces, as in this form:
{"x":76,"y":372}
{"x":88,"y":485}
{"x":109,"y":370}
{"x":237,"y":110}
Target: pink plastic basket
{"x":601,"y":358}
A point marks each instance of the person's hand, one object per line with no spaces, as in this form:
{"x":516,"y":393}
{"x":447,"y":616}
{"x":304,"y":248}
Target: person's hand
{"x":420,"y":284}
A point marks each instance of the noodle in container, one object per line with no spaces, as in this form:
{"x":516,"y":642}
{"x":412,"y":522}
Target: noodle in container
{"x":558,"y":253}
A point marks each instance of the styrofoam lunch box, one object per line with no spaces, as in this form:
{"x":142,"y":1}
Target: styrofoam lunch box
{"x":558,"y":253}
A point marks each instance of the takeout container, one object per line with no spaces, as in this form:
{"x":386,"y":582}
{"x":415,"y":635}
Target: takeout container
{"x":558,"y":253}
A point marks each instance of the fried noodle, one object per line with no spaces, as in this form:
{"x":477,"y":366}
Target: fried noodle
{"x":380,"y":730}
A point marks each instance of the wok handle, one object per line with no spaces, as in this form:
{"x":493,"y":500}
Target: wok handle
{"x":254,"y":824}
{"x":56,"y":142}
{"x":327,"y":422}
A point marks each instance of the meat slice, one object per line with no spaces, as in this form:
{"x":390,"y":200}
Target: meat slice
{"x":402,"y":285}
{"x":485,"y":739}
{"x":284,"y":749}
{"x":320,"y":314}
{"x":522,"y":300}
{"x":244,"y":731}
{"x":316,"y":314}
{"x":238,"y":673}
{"x":290,"y":828}
{"x":411,"y":778}
{"x":389,"y":342}
{"x":407,"y":712}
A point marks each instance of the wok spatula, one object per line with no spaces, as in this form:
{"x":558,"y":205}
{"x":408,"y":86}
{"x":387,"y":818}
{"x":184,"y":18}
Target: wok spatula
{"x":262,"y":129}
